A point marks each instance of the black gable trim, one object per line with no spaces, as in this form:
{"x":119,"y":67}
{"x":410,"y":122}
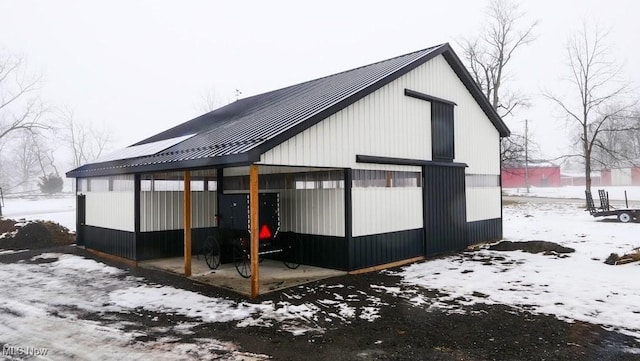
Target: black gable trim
{"x":466,"y":78}
{"x":235,"y":160}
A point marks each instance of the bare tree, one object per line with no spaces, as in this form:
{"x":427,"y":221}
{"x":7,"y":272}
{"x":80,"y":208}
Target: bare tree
{"x":86,"y":142}
{"x":31,"y":157}
{"x":20,"y":105}
{"x":209,"y":101}
{"x":618,"y":145}
{"x":25,"y":161}
{"x":488,"y":57}
{"x":600,"y":99}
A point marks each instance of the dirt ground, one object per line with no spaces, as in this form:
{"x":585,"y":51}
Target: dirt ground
{"x":403,"y":332}
{"x":33,"y":235}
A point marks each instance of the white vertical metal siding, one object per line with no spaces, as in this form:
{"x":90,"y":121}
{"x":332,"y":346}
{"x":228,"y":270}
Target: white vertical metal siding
{"x":312,"y":211}
{"x":113,"y":210}
{"x":383,"y":210}
{"x":388,"y":123}
{"x":384,"y":123}
{"x":163,"y":210}
{"x":483,"y":203}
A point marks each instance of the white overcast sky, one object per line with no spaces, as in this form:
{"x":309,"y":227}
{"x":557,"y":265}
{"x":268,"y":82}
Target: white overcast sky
{"x":142,"y":66}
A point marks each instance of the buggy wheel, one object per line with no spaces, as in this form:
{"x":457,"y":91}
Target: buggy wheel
{"x":241,"y":258}
{"x":625,"y":217}
{"x":293,"y":253}
{"x":212,"y":252}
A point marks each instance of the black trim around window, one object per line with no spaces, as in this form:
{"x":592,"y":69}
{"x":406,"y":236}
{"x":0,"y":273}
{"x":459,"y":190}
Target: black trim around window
{"x":405,"y":161}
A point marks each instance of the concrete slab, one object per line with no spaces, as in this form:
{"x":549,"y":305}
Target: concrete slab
{"x":274,"y":275}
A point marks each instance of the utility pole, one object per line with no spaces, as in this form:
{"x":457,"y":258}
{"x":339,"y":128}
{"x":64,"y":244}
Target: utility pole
{"x":526,"y":153}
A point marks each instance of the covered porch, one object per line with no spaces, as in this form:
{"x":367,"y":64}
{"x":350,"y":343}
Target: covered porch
{"x":274,"y":275}
{"x":153,"y":209}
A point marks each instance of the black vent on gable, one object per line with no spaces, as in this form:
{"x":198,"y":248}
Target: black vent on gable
{"x":442,"y":132}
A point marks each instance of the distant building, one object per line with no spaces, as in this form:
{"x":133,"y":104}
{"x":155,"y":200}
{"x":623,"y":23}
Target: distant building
{"x":546,"y":175}
{"x":629,"y":176}
{"x":578,"y":179}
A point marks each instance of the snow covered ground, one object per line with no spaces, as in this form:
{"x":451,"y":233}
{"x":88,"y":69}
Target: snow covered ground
{"x":43,"y":304}
{"x":49,"y":295}
{"x":578,"y":287}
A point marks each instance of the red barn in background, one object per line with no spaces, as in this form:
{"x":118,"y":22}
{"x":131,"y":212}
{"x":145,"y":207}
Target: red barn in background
{"x":539,"y":176}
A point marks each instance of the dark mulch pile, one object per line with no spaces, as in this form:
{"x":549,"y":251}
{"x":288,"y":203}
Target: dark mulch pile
{"x":33,"y":235}
{"x":7,"y":225}
{"x":531,"y":247}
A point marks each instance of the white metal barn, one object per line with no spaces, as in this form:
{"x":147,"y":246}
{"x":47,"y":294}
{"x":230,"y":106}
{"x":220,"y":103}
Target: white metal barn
{"x":383,"y":163}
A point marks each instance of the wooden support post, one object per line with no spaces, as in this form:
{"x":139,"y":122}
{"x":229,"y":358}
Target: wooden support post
{"x":254,"y":204}
{"x":187,"y":223}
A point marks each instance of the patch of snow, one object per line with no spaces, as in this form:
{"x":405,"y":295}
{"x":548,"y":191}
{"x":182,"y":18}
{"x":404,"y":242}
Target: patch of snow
{"x":578,"y":287}
{"x":370,"y":313}
{"x":46,"y":255}
{"x":10,"y":251}
{"x":172,"y":300}
{"x":43,"y":304}
{"x":631,"y":350}
{"x":392,"y":290}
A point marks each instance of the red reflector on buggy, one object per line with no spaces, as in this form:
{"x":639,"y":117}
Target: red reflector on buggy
{"x":265,"y":232}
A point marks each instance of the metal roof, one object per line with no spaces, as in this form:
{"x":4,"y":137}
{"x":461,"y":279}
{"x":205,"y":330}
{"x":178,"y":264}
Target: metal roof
{"x":238,"y":133}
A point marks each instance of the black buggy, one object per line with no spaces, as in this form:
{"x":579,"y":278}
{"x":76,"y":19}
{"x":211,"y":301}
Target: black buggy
{"x":231,"y":239}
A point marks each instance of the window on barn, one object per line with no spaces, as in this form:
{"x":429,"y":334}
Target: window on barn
{"x":482,"y":180}
{"x":280,"y":181}
{"x":166,"y":182}
{"x":442,"y":132}
{"x":122,"y":183}
{"x":318,"y":180}
{"x":146,"y":185}
{"x":99,"y":184}
{"x":385,"y":179}
{"x":83,"y":185}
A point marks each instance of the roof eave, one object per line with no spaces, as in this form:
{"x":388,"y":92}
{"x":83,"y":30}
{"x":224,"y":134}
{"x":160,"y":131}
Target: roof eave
{"x":109,"y":169}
